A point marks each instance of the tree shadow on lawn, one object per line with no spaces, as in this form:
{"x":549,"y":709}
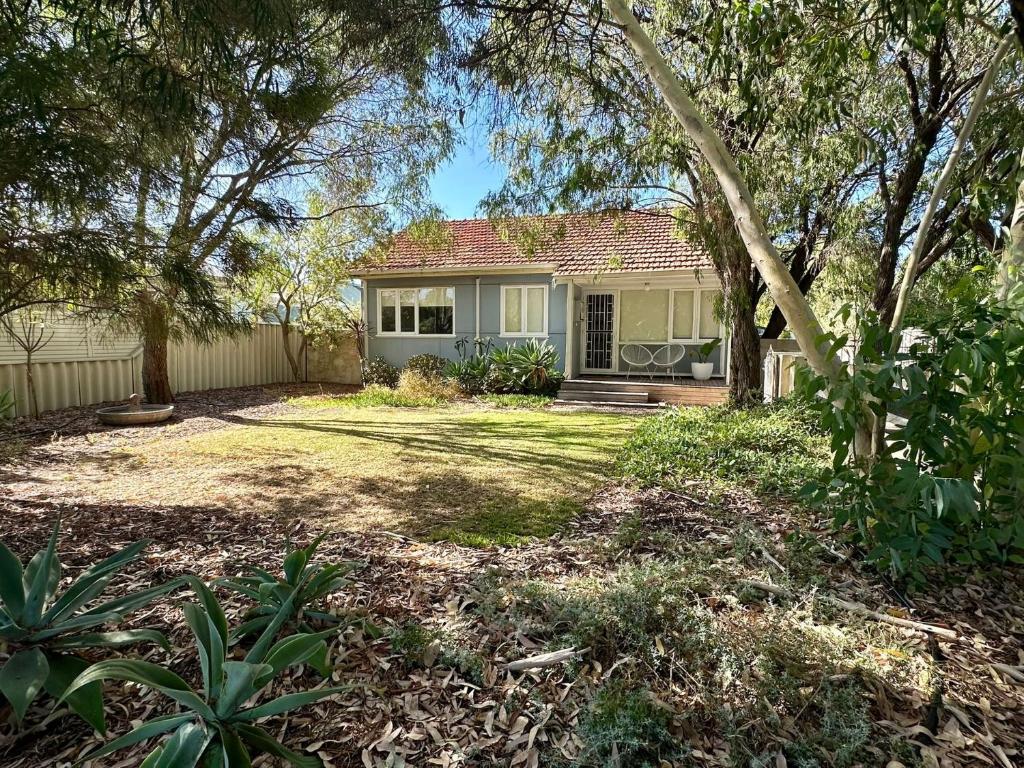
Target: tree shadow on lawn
{"x":434,"y":505}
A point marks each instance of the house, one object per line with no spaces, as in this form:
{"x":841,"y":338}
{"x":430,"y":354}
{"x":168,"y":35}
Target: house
{"x":604,"y":290}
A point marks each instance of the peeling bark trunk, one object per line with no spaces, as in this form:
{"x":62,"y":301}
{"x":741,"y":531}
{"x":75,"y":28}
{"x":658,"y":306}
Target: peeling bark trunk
{"x":745,"y":374}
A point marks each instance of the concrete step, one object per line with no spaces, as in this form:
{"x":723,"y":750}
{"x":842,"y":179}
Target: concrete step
{"x":603,"y":395}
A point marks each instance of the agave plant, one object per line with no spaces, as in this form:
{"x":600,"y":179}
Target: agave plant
{"x":533,"y":366}
{"x":46,"y":630}
{"x":303,"y":586}
{"x":216,"y":729}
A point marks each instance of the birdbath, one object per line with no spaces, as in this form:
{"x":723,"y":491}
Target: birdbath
{"x":136,"y":412}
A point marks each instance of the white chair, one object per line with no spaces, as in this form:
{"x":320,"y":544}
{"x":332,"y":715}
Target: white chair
{"x":668,"y":356}
{"x":636,"y":356}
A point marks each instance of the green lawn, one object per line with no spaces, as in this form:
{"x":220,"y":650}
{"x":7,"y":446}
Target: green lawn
{"x":476,"y":476}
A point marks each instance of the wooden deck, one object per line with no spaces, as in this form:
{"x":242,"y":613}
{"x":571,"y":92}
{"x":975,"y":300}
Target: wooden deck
{"x":643,"y":392}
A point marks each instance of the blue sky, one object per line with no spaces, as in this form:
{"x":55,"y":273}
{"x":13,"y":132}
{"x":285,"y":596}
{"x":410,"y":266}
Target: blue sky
{"x":459,"y":186}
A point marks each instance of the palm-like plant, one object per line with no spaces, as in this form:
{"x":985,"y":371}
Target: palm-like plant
{"x":534,"y":366}
{"x":303,"y":586}
{"x":46,"y":630}
{"x":217,"y":729}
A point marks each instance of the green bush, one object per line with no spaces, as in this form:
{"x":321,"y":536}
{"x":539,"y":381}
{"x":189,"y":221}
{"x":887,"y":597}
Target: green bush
{"x":430,"y":366}
{"x":767,"y":449}
{"x":628,"y":723}
{"x":379,"y":372}
{"x":949,"y":484}
{"x":470,"y":375}
{"x":216,"y":727}
{"x":45,"y":630}
{"x":530,"y":368}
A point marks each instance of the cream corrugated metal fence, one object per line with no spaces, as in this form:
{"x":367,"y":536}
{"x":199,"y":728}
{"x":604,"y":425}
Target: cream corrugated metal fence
{"x":253,"y":359}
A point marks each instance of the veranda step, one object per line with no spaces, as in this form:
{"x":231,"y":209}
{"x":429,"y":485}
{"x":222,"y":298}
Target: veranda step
{"x":603,"y":395}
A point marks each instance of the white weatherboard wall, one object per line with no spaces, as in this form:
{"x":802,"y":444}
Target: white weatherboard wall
{"x":83,"y":365}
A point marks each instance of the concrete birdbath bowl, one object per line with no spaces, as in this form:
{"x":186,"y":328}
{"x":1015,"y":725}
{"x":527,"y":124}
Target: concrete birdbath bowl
{"x":134,"y":413}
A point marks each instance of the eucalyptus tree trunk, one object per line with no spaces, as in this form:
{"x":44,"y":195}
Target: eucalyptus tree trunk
{"x":783,"y":288}
{"x":286,"y":339}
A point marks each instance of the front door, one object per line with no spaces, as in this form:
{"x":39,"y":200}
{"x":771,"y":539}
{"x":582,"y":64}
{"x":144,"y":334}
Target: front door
{"x":599,"y":332}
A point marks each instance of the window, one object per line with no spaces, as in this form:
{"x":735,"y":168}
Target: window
{"x":643,"y":315}
{"x":416,"y":311}
{"x":524,"y":310}
{"x":693,"y":315}
{"x":709,"y":325}
{"x":682,"y":314}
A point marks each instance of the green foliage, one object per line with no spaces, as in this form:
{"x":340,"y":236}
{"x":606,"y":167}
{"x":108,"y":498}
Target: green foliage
{"x":376,"y":396}
{"x":528,"y":368}
{"x":427,"y":365}
{"x":765,"y":449}
{"x":301,"y":589}
{"x":6,"y":404}
{"x":425,"y":647}
{"x":46,"y":629}
{"x":379,"y":372}
{"x":215,"y":727}
{"x":471,"y":375}
{"x":528,"y":402}
{"x":949,"y":483}
{"x":628,"y":723}
{"x":705,"y":350}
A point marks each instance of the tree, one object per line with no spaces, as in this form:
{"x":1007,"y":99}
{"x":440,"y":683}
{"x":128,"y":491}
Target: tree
{"x":335,"y":91}
{"x":30,"y":333}
{"x":302,"y":274}
{"x":595,"y":132}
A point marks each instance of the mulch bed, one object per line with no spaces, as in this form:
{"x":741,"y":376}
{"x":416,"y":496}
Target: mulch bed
{"x":435,"y":715}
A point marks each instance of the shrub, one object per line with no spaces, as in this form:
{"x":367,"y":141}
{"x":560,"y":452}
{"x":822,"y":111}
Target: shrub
{"x":418,"y":387}
{"x":45,"y":630}
{"x":628,"y":724}
{"x":470,"y":375}
{"x":299,"y":593}
{"x":949,"y":484}
{"x":379,"y":372}
{"x":430,"y":366}
{"x":529,"y":368}
{"x":766,"y":449}
{"x":216,"y":728}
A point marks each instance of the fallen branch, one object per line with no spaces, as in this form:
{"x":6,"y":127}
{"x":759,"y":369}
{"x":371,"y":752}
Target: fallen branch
{"x":543,"y":660}
{"x":1014,"y":673}
{"x":860,"y":610}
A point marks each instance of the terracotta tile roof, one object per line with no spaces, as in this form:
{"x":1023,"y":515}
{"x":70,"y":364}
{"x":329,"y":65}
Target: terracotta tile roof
{"x":569,"y":244}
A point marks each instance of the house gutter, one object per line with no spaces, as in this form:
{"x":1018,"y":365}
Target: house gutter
{"x":468,"y":271}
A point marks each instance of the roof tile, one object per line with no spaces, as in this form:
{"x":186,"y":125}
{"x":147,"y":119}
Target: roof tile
{"x":577,"y":244}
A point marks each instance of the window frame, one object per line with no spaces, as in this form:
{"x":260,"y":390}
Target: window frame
{"x":415,"y":333}
{"x":695,"y":338}
{"x":523,"y":334}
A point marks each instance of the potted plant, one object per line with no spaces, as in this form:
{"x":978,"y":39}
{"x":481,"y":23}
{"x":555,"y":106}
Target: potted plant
{"x":702,"y":368}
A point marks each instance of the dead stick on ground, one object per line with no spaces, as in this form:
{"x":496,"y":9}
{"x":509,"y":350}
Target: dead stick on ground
{"x":860,"y":610}
{"x":545,"y":659}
